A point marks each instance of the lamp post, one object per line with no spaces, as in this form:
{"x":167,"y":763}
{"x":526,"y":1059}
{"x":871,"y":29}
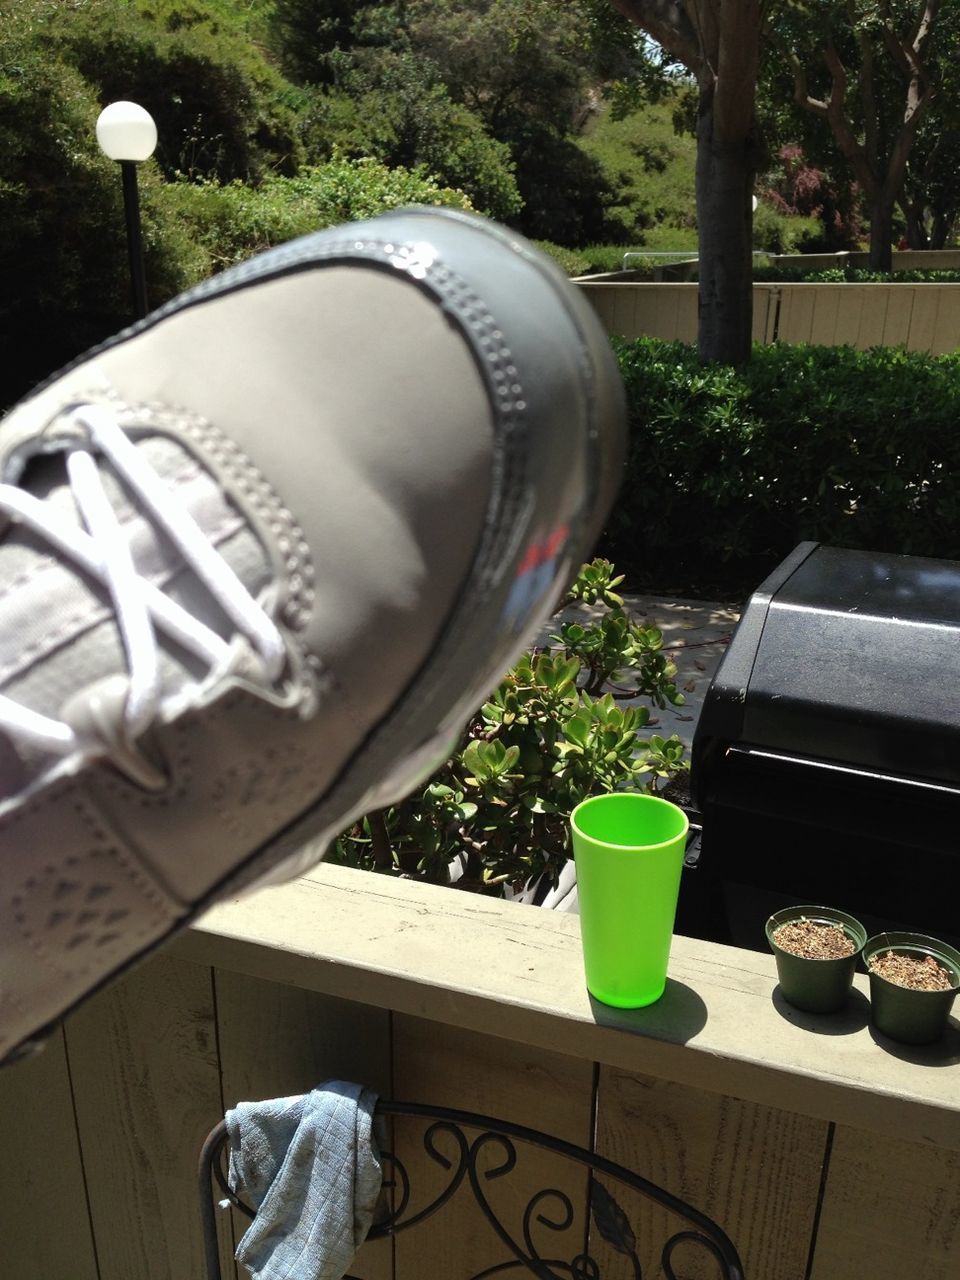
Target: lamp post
{"x":127,"y":133}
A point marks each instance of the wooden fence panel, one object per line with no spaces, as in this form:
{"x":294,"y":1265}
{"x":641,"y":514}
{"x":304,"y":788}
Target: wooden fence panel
{"x":823,"y":321}
{"x":899,"y":317}
{"x":924,"y":317}
{"x":451,"y":1067}
{"x":655,"y":314}
{"x":603,"y":302}
{"x":796,"y":314}
{"x":891,"y":1210}
{"x":922,"y":260}
{"x":849,"y":311}
{"x":755,"y":1170}
{"x":688,"y":314}
{"x":902,"y":260}
{"x":640,"y":313}
{"x":875,"y":300}
{"x":765,"y":302}
{"x":276,"y":1041}
{"x":44,"y":1224}
{"x":146,"y":1079}
{"x":623,"y":305}
{"x":947,"y":335}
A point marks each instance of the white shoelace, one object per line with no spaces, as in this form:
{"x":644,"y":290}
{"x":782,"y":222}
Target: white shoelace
{"x":140,"y":608}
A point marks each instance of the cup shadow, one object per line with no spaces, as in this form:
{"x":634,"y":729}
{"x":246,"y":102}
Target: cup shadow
{"x":677,"y":1016}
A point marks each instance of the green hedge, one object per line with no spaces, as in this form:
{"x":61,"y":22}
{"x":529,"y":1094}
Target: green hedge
{"x":729,"y":469}
{"x":851,"y":275}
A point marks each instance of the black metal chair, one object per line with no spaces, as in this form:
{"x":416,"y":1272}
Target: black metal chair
{"x":549,"y":1209}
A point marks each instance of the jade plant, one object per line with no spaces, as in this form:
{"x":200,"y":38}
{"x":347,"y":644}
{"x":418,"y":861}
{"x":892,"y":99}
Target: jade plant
{"x":551,"y":734}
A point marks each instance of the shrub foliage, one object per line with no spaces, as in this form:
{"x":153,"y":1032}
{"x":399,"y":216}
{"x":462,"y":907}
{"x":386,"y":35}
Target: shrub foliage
{"x":550,"y":735}
{"x":233,"y":221}
{"x":853,"y":448}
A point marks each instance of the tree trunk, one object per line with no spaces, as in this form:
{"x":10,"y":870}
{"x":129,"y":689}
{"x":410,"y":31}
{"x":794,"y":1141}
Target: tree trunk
{"x":725,"y":177}
{"x":881,"y":235}
{"x":380,"y":840}
{"x":916,"y":232}
{"x":942,"y":228}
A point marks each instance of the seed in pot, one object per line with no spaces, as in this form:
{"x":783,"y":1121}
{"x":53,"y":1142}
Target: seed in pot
{"x":813,"y":941}
{"x":919,"y":973}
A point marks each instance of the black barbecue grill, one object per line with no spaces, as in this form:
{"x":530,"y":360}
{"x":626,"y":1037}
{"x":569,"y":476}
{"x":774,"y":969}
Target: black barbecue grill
{"x":826,"y":762}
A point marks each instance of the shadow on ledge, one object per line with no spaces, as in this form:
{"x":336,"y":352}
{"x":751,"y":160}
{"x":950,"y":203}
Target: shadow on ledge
{"x":677,"y":1016}
{"x":851,"y":1019}
{"x":944,"y":1052}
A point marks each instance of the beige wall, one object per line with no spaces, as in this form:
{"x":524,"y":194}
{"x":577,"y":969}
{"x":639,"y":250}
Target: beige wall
{"x":923,"y":317}
{"x":902,"y":260}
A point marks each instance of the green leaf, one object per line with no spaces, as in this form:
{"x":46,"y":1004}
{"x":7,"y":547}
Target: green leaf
{"x":576,"y":729}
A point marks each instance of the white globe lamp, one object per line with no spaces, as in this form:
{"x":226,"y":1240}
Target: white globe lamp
{"x":126,"y":132}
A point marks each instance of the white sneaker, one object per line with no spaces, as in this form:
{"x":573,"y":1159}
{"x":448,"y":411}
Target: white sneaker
{"x":261,"y":556}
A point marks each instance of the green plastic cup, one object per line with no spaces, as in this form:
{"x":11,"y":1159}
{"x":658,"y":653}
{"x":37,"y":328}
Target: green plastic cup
{"x":629,"y":852}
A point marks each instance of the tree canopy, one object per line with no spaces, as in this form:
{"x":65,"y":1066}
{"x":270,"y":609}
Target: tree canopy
{"x":718,"y":42}
{"x":504,"y":104}
{"x":489,"y":94}
{"x":230,"y":175}
{"x":877,"y":77}
{"x":865,"y":86}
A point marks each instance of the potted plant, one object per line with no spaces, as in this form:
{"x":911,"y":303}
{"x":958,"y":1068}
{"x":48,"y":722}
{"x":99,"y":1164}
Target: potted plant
{"x":913,"y":982}
{"x":816,"y":949}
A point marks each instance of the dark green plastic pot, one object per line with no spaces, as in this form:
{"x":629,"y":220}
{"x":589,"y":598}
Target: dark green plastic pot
{"x":911,"y":1017}
{"x":816,"y":986}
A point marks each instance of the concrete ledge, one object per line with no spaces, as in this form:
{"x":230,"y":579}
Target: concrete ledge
{"x":516,"y":972}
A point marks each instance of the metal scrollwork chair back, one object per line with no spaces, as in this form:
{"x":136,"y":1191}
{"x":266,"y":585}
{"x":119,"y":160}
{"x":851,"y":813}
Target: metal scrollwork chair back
{"x":547,"y":1210}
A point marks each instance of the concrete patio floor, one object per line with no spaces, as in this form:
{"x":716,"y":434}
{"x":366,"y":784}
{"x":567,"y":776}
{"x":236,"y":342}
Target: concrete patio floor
{"x":695,"y":635}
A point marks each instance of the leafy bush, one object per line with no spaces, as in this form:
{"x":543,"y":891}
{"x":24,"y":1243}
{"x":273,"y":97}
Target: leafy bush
{"x":222,"y":113}
{"x":779,"y":232}
{"x":566,"y":193}
{"x":857,"y":449}
{"x":406,"y":121}
{"x":832,"y":210}
{"x":594,"y":258}
{"x":664,"y":238}
{"x":527,"y":69}
{"x":549,"y":737}
{"x":572,"y":261}
{"x":649,"y":165}
{"x":486,"y":96}
{"x":62,"y":236}
{"x":218,"y":104}
{"x":607,"y":257}
{"x":63,"y":253}
{"x":233,"y":221}
{"x":852,"y":275}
